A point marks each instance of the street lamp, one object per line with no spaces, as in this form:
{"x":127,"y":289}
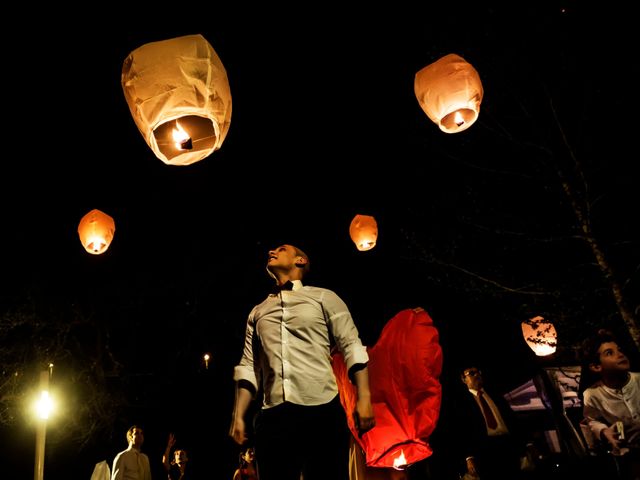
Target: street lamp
{"x":44,"y":407}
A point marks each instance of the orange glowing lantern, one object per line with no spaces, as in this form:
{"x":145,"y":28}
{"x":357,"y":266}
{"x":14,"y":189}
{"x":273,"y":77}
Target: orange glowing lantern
{"x":540,"y":335}
{"x":364,"y":232}
{"x":96,"y":231}
{"x":450,"y":92}
{"x":179,"y":96}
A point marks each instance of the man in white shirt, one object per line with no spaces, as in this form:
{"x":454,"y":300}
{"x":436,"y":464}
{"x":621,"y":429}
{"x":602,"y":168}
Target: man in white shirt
{"x":301,"y":426}
{"x":132,"y":464}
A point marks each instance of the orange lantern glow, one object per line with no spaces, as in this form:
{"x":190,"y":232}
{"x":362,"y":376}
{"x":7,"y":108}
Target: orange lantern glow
{"x":364,"y":232}
{"x":96,"y":231}
{"x":540,"y":335}
{"x":179,"y":96}
{"x":450,"y":92}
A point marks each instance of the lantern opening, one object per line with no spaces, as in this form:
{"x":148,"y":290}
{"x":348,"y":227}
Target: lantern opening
{"x":193,"y":136}
{"x":458,"y":120}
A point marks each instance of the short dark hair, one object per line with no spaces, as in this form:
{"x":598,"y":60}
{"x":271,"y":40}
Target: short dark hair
{"x":592,"y":344}
{"x":307,"y":266}
{"x":130,"y":431}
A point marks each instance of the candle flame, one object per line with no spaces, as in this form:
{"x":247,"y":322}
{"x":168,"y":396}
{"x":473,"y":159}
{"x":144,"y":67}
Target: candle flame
{"x":400,"y":461}
{"x":180,"y":137}
{"x":457,"y":118}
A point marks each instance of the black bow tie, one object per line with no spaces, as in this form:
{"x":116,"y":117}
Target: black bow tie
{"x":288,"y":285}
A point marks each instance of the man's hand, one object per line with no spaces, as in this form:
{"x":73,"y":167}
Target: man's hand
{"x":363,"y":416}
{"x":237,"y":431}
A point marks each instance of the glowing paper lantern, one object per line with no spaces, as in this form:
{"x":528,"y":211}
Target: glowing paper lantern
{"x":96,"y":231}
{"x":540,"y":335}
{"x":364,"y":232}
{"x":450,"y":92}
{"x":179,"y":96}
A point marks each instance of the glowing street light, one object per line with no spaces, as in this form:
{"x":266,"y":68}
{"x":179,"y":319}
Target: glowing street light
{"x":43,"y":407}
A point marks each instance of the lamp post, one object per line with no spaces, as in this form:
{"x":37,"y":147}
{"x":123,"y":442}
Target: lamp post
{"x":43,"y":407}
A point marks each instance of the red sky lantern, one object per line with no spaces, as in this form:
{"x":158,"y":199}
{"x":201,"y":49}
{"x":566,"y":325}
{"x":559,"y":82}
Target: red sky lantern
{"x":404,"y":372}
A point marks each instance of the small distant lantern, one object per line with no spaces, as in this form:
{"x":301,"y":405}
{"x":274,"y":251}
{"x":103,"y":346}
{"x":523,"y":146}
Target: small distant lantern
{"x":96,"y":231}
{"x":179,"y":96}
{"x":450,"y":92}
{"x":540,"y":335}
{"x":364,"y":232}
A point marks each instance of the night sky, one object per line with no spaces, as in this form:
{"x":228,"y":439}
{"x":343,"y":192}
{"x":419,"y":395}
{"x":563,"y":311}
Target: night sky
{"x":474,"y":227}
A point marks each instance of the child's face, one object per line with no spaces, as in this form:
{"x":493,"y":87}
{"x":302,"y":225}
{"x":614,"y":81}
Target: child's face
{"x":612,"y":358}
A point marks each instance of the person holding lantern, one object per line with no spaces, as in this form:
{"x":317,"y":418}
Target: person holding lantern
{"x":301,"y":426}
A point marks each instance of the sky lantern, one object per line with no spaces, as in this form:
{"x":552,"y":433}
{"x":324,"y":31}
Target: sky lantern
{"x":179,"y":96}
{"x":540,"y":335}
{"x":404,"y":367}
{"x":450,"y":92}
{"x":364,"y":232}
{"x":96,"y":231}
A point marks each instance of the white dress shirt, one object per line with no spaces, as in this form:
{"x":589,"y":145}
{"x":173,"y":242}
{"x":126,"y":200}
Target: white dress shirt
{"x":292,"y":332}
{"x":603,"y":406}
{"x":131,"y":464}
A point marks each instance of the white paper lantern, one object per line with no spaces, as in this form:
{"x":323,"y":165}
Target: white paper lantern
{"x":179,"y":96}
{"x":450,"y":92}
{"x":96,"y":230}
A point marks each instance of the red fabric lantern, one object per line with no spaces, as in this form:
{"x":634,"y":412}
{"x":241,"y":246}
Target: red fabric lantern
{"x":404,"y":371}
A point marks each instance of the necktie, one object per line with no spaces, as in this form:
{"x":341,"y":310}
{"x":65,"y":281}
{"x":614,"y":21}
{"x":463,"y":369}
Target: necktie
{"x":488,"y":413}
{"x":288,"y":285}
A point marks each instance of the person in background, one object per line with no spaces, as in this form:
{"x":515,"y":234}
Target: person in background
{"x":132,"y":464}
{"x":301,"y":427}
{"x":612,"y":403}
{"x":247,"y":468}
{"x":485,"y":437}
{"x":178,"y":468}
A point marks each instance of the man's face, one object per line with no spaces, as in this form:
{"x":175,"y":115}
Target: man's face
{"x":137,"y":437}
{"x":282,"y":257}
{"x":472,"y":378}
